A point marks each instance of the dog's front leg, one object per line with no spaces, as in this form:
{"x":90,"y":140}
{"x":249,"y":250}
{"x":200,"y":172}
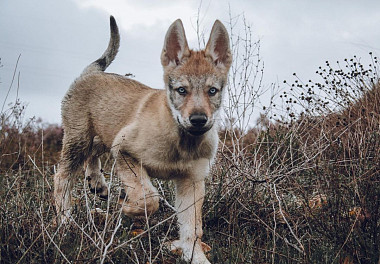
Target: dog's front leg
{"x":140,"y":197}
{"x":190,"y":193}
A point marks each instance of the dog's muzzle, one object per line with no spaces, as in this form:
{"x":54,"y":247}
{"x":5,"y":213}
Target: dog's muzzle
{"x":198,"y":124}
{"x":198,"y":120}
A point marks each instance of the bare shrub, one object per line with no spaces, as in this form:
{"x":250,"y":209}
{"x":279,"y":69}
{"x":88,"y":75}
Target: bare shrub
{"x":306,"y":187}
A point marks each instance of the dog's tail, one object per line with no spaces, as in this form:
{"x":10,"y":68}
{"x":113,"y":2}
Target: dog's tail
{"x":109,"y":55}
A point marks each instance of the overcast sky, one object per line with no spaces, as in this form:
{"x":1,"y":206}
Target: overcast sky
{"x":57,"y":39}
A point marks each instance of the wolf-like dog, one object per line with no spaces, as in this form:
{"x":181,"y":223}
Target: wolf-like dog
{"x":168,"y":134}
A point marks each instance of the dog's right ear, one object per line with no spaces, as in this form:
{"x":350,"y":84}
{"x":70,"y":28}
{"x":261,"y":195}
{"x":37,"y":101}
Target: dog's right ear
{"x":175,"y":45}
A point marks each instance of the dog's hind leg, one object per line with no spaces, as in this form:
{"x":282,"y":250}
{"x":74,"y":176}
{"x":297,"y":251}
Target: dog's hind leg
{"x":95,"y":177}
{"x":74,"y":151}
{"x":140,"y":198}
{"x":93,"y":172}
{"x":63,"y":184}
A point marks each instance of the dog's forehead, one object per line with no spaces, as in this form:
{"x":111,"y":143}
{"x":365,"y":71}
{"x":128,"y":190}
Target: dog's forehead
{"x":197,"y":64}
{"x":203,"y":81}
{"x":197,"y":71}
{"x":194,"y":81}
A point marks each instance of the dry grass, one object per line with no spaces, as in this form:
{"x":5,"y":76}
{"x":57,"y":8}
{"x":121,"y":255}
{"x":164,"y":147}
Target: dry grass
{"x":305,"y":188}
{"x":302,"y":188}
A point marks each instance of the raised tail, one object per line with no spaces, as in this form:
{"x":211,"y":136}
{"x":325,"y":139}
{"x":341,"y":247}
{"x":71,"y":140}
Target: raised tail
{"x":109,"y":55}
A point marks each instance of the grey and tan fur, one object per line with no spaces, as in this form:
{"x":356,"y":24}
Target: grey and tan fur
{"x":167,"y":134}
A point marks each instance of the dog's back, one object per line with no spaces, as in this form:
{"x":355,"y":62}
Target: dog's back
{"x":104,"y":103}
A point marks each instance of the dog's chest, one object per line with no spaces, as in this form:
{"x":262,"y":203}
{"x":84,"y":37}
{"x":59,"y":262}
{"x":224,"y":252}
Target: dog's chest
{"x":172,"y":159}
{"x":175,"y":162}
{"x":169,"y":152}
{"x":166,"y":155}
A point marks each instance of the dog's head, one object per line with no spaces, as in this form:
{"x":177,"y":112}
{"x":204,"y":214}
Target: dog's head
{"x":195,"y":80}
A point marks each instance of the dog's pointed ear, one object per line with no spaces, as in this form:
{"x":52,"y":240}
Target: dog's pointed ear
{"x":175,"y":45}
{"x":218,"y":46}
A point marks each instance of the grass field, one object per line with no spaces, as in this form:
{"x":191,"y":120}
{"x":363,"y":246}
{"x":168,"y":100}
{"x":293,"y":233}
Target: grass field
{"x":303,"y":186}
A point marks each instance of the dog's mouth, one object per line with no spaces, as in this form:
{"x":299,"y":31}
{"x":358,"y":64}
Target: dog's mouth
{"x":197,"y":132}
{"x":194,"y":131}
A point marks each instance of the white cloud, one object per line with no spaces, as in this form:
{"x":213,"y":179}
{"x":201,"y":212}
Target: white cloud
{"x":135,"y":16}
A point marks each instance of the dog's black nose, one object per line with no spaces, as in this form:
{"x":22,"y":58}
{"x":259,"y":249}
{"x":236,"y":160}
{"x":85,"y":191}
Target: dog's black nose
{"x":198,"y":120}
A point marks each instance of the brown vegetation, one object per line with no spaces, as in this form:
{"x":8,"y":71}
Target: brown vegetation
{"x":302,"y":188}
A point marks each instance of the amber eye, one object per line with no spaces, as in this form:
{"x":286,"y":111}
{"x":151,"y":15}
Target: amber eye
{"x":212,"y":91}
{"x":181,"y":91}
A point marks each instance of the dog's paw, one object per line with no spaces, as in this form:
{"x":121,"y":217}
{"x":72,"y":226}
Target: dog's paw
{"x":97,"y":185}
{"x":138,"y":207}
{"x":194,"y":253}
{"x":135,"y":205}
{"x":62,"y":219}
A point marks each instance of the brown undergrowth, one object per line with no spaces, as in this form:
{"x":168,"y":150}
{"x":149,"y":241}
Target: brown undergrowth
{"x":300,"y":189}
{"x":304,"y":188}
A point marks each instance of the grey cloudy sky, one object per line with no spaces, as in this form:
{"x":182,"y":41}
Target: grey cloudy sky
{"x":57,"y":39}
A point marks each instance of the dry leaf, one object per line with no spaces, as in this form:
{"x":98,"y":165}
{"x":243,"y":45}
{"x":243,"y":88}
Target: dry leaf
{"x":137,"y":232}
{"x":206,"y":248}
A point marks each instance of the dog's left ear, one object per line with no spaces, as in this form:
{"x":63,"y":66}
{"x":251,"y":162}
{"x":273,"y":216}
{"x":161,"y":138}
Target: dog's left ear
{"x":218,"y":46}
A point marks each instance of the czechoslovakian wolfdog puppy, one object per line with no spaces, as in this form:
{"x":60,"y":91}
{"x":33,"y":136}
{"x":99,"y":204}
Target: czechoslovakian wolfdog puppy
{"x":168,"y":134}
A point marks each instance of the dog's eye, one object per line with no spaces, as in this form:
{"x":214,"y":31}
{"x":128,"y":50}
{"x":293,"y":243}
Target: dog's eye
{"x":212,"y":91}
{"x":182,"y":91}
